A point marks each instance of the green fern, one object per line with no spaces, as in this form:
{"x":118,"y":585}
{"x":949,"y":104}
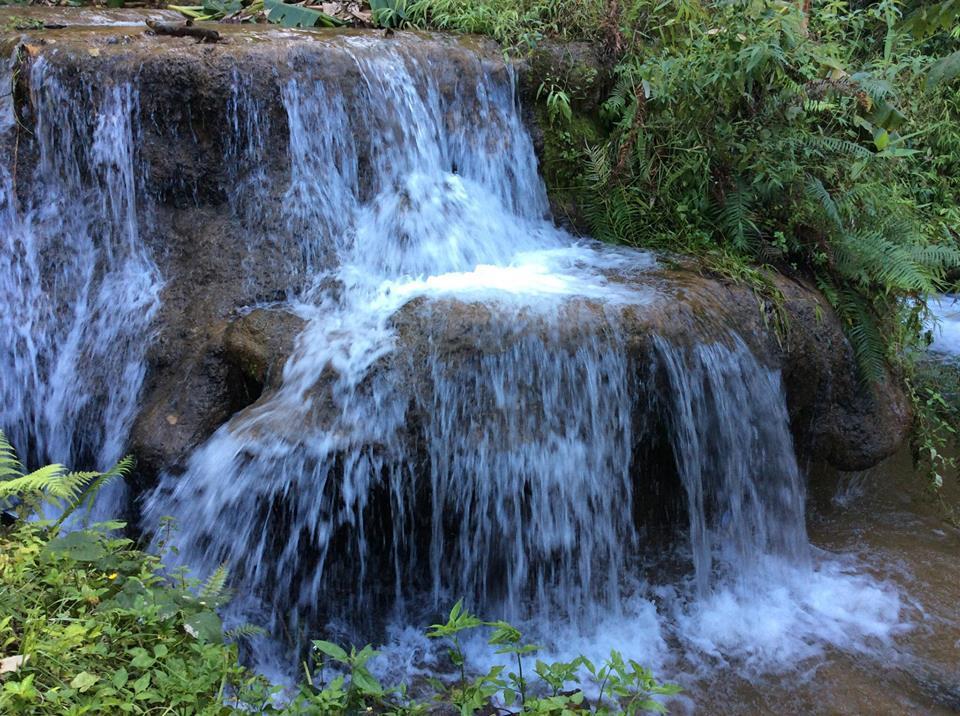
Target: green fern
{"x":735,"y":221}
{"x":243,"y":631}
{"x":818,"y":194}
{"x":214,"y":589}
{"x":53,"y":484}
{"x":862,"y":328}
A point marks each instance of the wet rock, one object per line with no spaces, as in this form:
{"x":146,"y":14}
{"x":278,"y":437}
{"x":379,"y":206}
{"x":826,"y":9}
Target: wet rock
{"x":183,"y":402}
{"x":834,"y":416}
{"x":259,"y":342}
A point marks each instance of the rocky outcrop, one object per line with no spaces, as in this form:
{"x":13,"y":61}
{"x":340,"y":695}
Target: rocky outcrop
{"x":835,"y":417}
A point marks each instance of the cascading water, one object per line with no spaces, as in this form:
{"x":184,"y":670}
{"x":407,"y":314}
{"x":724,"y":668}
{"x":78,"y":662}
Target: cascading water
{"x":409,"y":457}
{"x":467,"y":411}
{"x":78,"y":287}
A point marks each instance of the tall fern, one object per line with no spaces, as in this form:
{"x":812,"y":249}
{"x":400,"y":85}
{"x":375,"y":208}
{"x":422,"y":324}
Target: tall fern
{"x":53,"y":484}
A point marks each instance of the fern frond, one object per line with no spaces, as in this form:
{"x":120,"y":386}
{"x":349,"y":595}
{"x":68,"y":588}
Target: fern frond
{"x":100,"y":480}
{"x":47,"y":479}
{"x":862,"y":328}
{"x":9,"y":464}
{"x":733,"y":217}
{"x":53,"y":483}
{"x":832,"y":145}
{"x":818,"y":194}
{"x":214,"y":590}
{"x":243,"y":631}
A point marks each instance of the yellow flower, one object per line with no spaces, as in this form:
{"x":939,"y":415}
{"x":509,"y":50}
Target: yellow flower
{"x":112,"y":576}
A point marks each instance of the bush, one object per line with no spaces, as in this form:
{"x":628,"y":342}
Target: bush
{"x":92,"y":627}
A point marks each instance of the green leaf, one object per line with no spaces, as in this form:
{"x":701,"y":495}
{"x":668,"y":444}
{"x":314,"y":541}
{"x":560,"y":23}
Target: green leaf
{"x":331,"y":650}
{"x":120,"y":677}
{"x":141,"y":659}
{"x":81,"y":546}
{"x":388,"y":13}
{"x":943,"y":70}
{"x":298,"y":16}
{"x":365,"y":681}
{"x":205,"y":626}
{"x":83,"y":681}
{"x":881,"y":139}
{"x":142,"y":683}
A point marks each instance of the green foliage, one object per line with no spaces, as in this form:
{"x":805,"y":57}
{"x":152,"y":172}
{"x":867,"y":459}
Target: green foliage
{"x":52,"y":484}
{"x":297,"y":16}
{"x":927,"y":19}
{"x":516,"y":25}
{"x":101,"y":631}
{"x":935,"y":388}
{"x":820,"y":143}
{"x":89,"y":623}
{"x":389,"y":13}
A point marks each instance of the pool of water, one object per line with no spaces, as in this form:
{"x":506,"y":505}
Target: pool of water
{"x":886,"y":520}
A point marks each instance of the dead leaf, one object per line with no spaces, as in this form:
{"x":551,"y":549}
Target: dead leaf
{"x":172,"y":419}
{"x":13,"y":663}
{"x":94,"y":51}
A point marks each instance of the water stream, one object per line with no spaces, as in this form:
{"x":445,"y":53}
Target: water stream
{"x":517,"y":491}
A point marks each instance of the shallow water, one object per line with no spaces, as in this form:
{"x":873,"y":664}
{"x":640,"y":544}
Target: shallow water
{"x":873,"y":627}
{"x":887,"y":525}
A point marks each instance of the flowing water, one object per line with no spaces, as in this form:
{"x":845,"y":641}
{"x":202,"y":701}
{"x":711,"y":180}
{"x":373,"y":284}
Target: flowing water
{"x":517,"y":491}
{"x":946,"y":327}
{"x":78,"y":287}
{"x":461,"y":415}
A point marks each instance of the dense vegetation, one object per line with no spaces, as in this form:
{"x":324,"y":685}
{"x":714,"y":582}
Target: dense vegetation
{"x":91,"y":624}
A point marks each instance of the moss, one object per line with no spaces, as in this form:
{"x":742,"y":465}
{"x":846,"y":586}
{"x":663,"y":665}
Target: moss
{"x":566,"y":83}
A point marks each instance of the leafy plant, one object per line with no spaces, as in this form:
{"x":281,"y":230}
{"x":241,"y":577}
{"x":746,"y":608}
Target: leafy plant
{"x":389,"y":13}
{"x":90,"y":624}
{"x":52,"y":484}
{"x":298,"y":16}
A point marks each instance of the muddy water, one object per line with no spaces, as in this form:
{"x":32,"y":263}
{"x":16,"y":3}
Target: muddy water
{"x":884,"y":519}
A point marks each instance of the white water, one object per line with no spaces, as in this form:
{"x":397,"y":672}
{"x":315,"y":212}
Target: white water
{"x":516,"y":491}
{"x":79,"y":290}
{"x":946,"y":325}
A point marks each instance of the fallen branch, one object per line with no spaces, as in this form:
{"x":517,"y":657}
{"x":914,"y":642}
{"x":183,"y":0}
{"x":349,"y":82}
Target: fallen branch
{"x":185,"y":30}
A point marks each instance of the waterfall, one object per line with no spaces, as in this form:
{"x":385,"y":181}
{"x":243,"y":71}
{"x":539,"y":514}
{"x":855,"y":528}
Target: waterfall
{"x":454,"y":213}
{"x":731,"y":439}
{"x":458,"y":416}
{"x":78,"y":286}
{"x":466,"y":412}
